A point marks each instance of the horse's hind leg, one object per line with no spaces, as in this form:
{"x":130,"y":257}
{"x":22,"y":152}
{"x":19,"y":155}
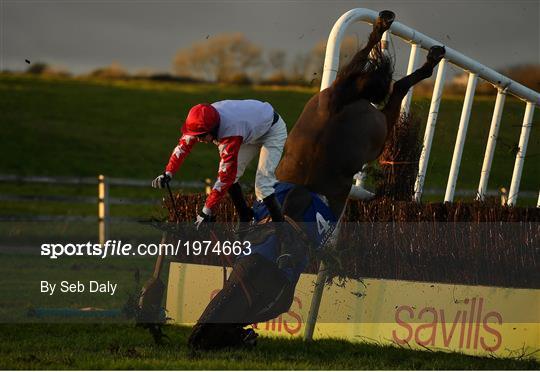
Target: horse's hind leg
{"x":392,"y":108}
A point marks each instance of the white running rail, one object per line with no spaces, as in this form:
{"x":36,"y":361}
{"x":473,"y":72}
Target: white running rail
{"x":476,"y":70}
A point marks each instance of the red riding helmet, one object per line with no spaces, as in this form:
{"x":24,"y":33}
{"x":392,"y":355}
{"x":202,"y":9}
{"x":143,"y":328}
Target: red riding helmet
{"x":201,"y":119}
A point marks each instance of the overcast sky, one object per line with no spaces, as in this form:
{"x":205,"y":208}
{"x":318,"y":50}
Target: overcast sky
{"x":83,"y":35}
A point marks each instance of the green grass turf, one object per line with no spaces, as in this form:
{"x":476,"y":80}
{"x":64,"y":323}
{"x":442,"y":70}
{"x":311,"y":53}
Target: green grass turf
{"x":475,"y":144}
{"x":22,"y":273}
{"x":42,"y":345}
{"x":83,"y":128}
{"x":72,"y":208}
{"x":105,"y":346}
{"x":128,"y":129}
{"x":26,"y":208}
{"x":68,"y":127}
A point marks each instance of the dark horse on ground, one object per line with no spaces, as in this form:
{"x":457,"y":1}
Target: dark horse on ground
{"x":338,"y":132}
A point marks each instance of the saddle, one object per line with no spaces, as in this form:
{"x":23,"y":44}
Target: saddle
{"x":290,"y":236}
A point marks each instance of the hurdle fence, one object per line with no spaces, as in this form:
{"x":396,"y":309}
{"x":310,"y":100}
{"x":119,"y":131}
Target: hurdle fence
{"x":476,"y":70}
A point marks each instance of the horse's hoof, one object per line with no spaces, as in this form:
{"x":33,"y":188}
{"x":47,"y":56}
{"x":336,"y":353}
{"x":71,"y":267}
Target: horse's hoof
{"x":435,"y":54}
{"x":249,"y":338}
{"x":386,"y":17}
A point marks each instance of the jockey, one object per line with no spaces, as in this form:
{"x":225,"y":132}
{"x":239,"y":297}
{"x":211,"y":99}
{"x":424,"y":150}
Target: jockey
{"x":241,"y":129}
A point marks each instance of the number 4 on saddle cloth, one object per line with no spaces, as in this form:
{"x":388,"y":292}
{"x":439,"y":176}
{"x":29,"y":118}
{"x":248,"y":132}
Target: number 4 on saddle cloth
{"x":308,"y":216}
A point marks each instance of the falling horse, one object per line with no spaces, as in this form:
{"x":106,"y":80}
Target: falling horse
{"x":338,"y":132}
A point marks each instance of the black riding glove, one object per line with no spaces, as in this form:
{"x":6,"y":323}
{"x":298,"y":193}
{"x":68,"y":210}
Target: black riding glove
{"x":162,"y":180}
{"x":203,"y":218}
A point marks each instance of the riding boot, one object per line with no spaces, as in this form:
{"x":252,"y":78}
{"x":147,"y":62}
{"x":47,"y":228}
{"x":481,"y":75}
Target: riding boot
{"x":245,"y":213}
{"x":274,"y":208}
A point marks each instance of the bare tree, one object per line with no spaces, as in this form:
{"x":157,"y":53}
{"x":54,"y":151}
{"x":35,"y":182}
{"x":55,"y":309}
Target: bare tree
{"x":276,"y":74}
{"x":314,"y":70}
{"x":220,"y":58}
{"x":37,"y":68}
{"x":528,"y":75}
{"x":114,"y":71}
{"x":277,"y":60}
{"x":299,"y":68}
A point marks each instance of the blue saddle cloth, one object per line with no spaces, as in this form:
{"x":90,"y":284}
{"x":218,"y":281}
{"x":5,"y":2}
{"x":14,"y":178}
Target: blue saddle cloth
{"x":319,"y":223}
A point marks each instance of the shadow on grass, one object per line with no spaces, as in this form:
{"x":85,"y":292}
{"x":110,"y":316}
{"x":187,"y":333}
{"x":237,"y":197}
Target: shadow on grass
{"x":100,"y":346}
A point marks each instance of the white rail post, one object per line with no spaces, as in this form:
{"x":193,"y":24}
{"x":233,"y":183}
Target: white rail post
{"x":430,"y":130}
{"x":460,"y":140}
{"x":492,"y":142}
{"x":406,"y":102}
{"x":538,"y":203}
{"x":103,"y":209}
{"x":520,"y":156}
{"x":315,"y":302}
{"x":331,"y":63}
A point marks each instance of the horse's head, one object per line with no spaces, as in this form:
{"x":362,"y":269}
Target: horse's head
{"x":374,"y":83}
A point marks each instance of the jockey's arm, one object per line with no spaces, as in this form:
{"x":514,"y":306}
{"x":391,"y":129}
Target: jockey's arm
{"x":228,"y":166}
{"x":180,"y":152}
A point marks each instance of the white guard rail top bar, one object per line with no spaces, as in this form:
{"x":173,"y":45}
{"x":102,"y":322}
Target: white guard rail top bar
{"x":413,"y":36}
